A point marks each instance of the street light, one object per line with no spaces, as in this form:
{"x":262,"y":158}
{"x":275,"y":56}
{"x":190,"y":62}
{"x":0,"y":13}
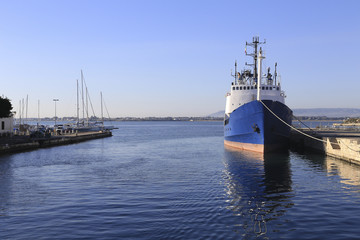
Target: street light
{"x":55,"y":100}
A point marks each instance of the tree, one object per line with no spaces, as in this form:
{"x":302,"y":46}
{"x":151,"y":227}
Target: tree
{"x":5,"y":107}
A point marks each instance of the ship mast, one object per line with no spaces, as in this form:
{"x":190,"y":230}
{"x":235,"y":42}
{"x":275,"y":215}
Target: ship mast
{"x":261,"y":57}
{"x":235,"y":75}
{"x":275,"y":74}
{"x":254,"y":44}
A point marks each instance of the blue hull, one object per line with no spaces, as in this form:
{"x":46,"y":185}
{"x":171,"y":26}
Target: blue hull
{"x":253,"y":127}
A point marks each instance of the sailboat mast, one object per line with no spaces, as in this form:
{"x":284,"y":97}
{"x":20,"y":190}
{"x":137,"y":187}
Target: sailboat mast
{"x":22,"y":111}
{"x":102,"y":116}
{"x":27,"y":100}
{"x":77,"y":102}
{"x":87,"y":106}
{"x":82,"y":95}
{"x":38,"y":113}
{"x":20,"y":114}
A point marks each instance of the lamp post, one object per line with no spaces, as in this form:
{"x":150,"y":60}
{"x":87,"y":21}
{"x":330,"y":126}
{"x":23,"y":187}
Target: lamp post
{"x":55,"y":100}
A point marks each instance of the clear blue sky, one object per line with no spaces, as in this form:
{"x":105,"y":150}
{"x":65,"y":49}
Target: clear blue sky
{"x":173,"y":58}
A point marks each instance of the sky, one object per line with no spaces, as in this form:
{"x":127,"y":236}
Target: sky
{"x":158,"y":58}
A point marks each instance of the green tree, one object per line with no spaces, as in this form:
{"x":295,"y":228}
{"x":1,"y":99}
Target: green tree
{"x":5,"y":107}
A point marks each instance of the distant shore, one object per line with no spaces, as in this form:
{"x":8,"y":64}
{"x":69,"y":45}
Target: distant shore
{"x":195,"y":119}
{"x":123,"y":119}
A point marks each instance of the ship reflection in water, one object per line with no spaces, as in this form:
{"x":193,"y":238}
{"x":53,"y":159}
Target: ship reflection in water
{"x":282,"y":195}
{"x":258,"y":190}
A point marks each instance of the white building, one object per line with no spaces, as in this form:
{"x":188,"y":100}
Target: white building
{"x":6,"y":126}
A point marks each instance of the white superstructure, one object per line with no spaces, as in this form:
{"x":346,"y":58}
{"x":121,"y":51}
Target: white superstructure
{"x":244,"y":93}
{"x":244,"y":88}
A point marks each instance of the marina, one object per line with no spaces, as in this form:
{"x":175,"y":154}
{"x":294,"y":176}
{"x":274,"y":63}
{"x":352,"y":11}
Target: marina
{"x":17,"y":135}
{"x":25,"y":143}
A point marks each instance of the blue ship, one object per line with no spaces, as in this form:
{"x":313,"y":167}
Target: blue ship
{"x":256,"y":117}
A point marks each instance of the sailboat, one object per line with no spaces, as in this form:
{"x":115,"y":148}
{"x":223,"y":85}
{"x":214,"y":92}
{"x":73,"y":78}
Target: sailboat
{"x":88,"y":126}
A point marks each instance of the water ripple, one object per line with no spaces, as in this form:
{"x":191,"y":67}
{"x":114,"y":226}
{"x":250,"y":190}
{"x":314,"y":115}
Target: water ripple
{"x":175,"y":180}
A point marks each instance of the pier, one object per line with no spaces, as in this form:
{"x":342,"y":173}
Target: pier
{"x":339,"y":144}
{"x":24,"y":143}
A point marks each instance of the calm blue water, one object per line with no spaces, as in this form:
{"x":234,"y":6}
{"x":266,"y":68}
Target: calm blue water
{"x":175,"y":180}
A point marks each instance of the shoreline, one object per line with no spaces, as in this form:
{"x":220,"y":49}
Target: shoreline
{"x":18,"y":144}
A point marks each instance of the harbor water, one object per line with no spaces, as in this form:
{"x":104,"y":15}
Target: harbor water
{"x":175,"y":180}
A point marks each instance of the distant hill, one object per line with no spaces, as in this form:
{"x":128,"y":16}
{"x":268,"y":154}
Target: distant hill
{"x":217,"y":114}
{"x":314,"y":112}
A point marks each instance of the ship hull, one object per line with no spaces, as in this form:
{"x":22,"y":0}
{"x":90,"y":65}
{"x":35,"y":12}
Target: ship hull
{"x":253,"y":127}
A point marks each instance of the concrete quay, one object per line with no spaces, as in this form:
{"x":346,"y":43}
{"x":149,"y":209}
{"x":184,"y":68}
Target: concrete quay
{"x":339,"y":144}
{"x":25,"y":143}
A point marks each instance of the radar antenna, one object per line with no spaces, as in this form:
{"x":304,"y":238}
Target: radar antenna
{"x":254,"y":44}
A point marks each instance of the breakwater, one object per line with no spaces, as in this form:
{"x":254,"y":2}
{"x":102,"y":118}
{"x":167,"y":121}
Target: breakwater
{"x":25,"y":143}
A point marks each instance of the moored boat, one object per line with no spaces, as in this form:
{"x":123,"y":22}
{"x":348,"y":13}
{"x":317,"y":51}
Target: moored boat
{"x":256,"y":117}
